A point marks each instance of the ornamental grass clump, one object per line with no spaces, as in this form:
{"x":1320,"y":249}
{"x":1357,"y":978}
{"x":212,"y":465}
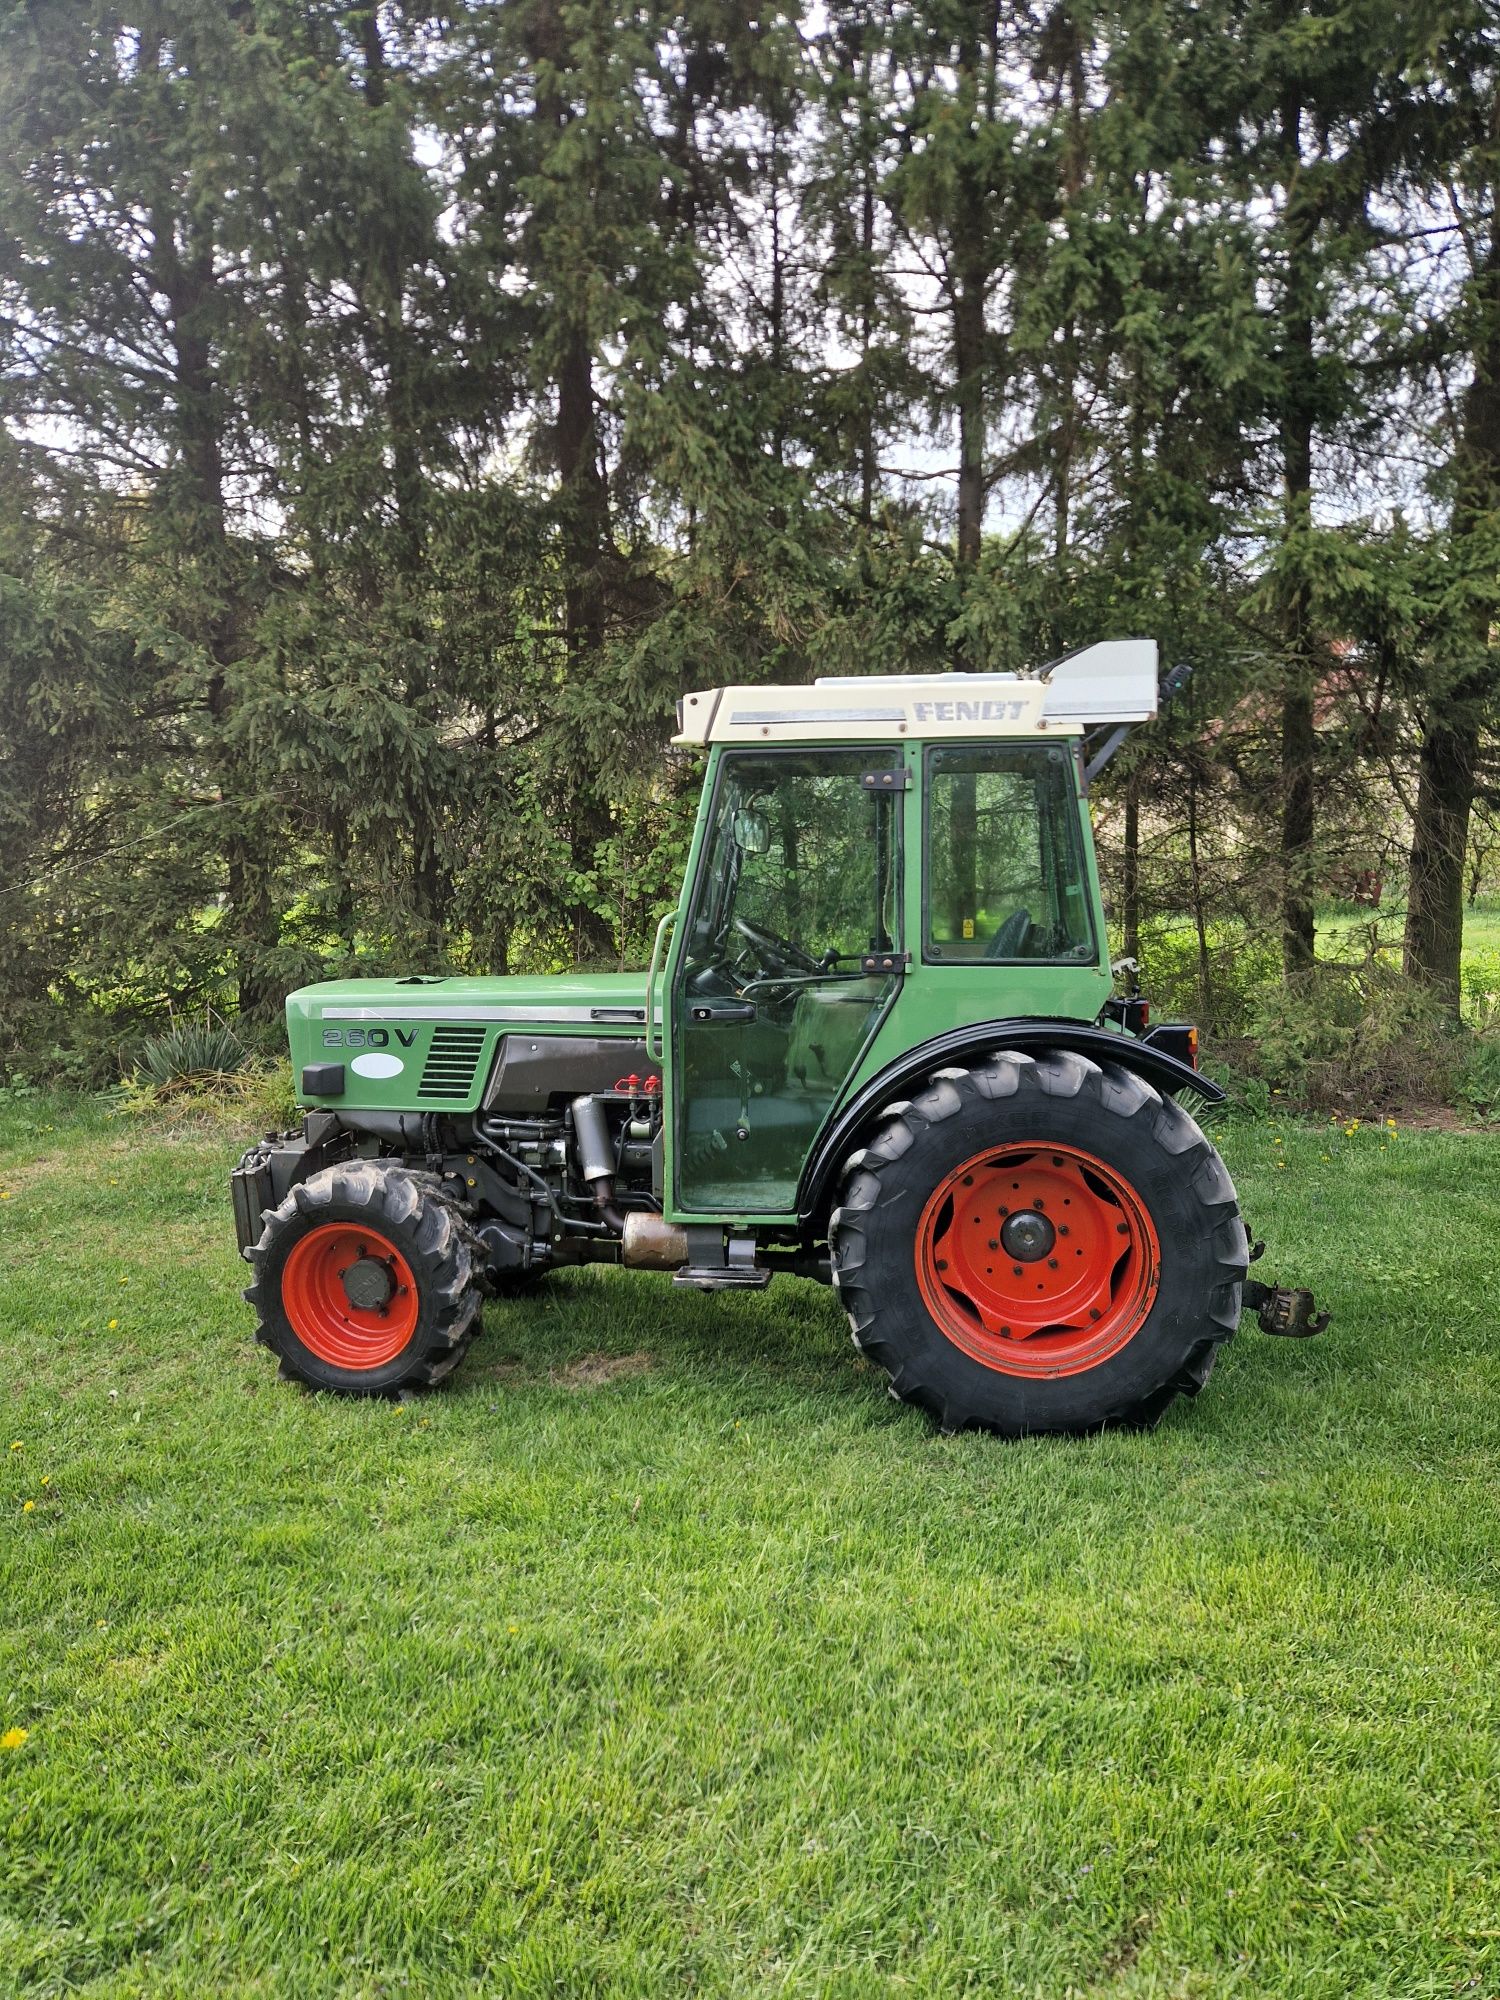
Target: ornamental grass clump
{"x":191,"y":1056}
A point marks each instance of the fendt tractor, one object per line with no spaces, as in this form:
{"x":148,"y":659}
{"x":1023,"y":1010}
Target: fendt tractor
{"x":878,"y":1045}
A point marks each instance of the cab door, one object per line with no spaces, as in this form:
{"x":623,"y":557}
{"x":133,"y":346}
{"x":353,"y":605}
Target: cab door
{"x":790,"y":956}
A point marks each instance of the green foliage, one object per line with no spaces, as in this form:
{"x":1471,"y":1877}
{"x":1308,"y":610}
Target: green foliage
{"x":190,"y":1055}
{"x":394,"y":423}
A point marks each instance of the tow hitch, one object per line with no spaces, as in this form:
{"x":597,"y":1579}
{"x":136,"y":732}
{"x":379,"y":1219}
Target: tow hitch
{"x":1284,"y":1309}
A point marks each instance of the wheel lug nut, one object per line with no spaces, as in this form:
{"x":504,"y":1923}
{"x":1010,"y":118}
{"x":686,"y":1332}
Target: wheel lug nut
{"x":1051,"y":1263}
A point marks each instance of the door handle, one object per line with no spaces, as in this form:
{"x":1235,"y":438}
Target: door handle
{"x":722,"y":1010}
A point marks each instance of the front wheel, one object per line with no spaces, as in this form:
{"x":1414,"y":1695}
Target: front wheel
{"x":364,"y":1280}
{"x":1040,"y":1243}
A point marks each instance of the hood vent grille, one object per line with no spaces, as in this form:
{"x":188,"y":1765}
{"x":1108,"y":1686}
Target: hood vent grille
{"x":453,"y":1059}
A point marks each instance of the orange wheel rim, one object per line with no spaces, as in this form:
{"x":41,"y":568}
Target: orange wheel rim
{"x":349,"y":1295}
{"x":1037,"y":1260}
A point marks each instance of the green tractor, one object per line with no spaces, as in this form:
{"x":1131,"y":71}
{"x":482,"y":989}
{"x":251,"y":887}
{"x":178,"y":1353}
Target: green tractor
{"x":878,"y":1045}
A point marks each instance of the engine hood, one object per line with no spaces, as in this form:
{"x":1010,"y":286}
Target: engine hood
{"x":545,"y":998}
{"x":429,"y":1043}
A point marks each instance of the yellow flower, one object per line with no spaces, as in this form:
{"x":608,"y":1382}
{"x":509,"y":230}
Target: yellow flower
{"x":28,"y":1506}
{"x":46,"y":1479}
{"x":17,"y":1446}
{"x":13,"y":1739}
{"x":4,"y":1194}
{"x":113,"y":1324}
{"x":1390,"y":1124}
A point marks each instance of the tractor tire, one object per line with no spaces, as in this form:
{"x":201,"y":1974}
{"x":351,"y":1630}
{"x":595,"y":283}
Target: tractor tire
{"x":365,"y":1280}
{"x":1039,"y":1244}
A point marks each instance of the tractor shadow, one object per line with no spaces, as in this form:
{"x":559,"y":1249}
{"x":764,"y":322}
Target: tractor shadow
{"x":588,"y":1329}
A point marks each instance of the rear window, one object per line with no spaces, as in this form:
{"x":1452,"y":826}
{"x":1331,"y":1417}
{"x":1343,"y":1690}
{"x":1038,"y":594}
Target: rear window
{"x":1005,"y":879}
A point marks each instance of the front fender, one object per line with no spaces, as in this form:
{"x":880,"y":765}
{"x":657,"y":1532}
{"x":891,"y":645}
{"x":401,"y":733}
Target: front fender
{"x":975,"y":1042}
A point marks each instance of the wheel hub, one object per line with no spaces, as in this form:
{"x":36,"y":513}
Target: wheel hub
{"x":368,"y":1284}
{"x":350,"y":1295}
{"x":1027,"y":1236}
{"x":1037,"y":1259}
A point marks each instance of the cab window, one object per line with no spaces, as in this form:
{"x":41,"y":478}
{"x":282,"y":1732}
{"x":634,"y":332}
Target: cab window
{"x":1005,"y":879}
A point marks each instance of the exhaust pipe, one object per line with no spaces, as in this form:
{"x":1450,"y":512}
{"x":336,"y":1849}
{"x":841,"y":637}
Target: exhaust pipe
{"x":596,"y":1158}
{"x":652,"y":1244}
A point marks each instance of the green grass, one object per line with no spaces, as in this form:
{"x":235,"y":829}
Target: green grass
{"x":727,"y":1675}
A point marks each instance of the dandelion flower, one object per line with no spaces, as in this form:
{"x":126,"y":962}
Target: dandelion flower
{"x":113,"y":1324}
{"x":28,"y":1506}
{"x":46,"y":1479}
{"x":13,"y":1739}
{"x":17,"y":1446}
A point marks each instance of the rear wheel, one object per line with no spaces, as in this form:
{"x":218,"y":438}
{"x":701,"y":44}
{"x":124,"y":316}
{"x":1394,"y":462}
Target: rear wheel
{"x":1040,"y":1243}
{"x":364,"y":1280}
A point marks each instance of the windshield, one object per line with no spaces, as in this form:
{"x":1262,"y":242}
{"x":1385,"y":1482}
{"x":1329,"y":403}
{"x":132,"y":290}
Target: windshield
{"x":800,"y":854}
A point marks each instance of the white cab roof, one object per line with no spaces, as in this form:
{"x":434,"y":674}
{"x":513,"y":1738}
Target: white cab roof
{"x":1110,"y":683}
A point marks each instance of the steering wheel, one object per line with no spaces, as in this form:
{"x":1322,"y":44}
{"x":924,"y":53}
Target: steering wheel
{"x":778,"y":956}
{"x":1011,"y":939}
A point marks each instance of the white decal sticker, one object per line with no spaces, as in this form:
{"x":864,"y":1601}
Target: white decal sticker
{"x":377,"y":1065}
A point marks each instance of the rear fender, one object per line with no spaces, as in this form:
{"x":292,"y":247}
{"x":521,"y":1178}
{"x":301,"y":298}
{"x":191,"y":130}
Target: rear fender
{"x":970,"y":1044}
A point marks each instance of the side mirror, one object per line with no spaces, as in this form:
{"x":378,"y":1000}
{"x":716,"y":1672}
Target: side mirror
{"x":752,"y":832}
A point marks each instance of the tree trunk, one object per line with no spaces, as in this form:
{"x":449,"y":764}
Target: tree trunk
{"x":1435,"y":902}
{"x":393,"y":345}
{"x":1456,"y":715}
{"x":583,"y":514}
{"x":1299,"y":739}
{"x":183,"y":273}
{"x":970,"y":285}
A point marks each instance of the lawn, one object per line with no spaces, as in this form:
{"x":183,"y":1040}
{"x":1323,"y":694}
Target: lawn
{"x":663,"y":1653}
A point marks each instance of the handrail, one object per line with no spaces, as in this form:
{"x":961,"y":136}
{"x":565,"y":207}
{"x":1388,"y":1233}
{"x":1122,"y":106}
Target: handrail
{"x":658,"y":955}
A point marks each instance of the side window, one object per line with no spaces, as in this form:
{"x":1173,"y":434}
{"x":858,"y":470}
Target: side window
{"x":1005,"y":878}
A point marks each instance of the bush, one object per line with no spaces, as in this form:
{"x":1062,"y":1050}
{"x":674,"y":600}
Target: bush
{"x":1479,"y":1076}
{"x":1355,"y":1037}
{"x":190,"y":1056}
{"x":1224,"y":996}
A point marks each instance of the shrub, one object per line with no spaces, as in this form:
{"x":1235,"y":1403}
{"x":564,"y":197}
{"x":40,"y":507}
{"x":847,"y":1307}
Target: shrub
{"x":1356,"y":1035}
{"x":190,"y":1056}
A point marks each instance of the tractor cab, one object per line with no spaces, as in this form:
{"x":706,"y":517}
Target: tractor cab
{"x":867,"y":874}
